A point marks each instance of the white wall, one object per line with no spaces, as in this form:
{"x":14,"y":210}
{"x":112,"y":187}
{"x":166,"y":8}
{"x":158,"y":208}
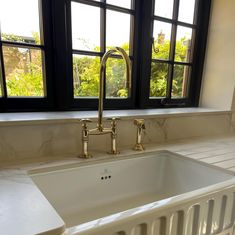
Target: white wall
{"x":219,"y":71}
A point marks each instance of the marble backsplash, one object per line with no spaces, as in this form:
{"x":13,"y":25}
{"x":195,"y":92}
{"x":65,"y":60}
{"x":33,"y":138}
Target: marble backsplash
{"x":35,"y":142}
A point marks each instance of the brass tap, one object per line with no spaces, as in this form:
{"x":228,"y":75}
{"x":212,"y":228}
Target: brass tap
{"x":86,"y":133}
{"x":85,"y":138}
{"x":100,"y":130}
{"x":114,"y":135}
{"x":140,"y":127}
{"x":102,"y":79}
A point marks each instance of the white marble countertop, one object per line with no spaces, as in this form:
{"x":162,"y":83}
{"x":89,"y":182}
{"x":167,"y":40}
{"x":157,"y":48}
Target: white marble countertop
{"x":72,"y":116}
{"x":25,"y":211}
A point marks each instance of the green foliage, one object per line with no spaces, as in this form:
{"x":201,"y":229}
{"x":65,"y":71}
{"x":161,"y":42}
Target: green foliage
{"x":24,"y":76}
{"x":20,"y":83}
{"x":159,"y":71}
{"x":11,"y":37}
{"x":23,"y":68}
{"x":86,"y":76}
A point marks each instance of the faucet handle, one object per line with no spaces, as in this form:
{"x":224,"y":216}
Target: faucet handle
{"x":84,"y":121}
{"x":139,"y":123}
{"x":113,"y":119}
{"x":113,"y":122}
{"x":113,"y":135}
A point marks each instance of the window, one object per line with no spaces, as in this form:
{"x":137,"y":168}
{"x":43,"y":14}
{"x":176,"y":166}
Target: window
{"x":50,"y":53}
{"x":106,"y":25}
{"x":22,"y":50}
{"x":172,"y":50}
{"x":174,"y":63}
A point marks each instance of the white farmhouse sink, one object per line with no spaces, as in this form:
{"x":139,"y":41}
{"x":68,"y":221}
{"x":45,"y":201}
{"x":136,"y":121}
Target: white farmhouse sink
{"x":89,"y":192}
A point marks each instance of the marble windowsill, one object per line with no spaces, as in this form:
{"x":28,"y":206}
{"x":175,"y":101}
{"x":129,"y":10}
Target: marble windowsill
{"x":72,"y":116}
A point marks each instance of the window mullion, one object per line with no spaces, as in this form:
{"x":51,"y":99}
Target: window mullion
{"x":62,"y":35}
{"x":172,"y":56}
{"x":172,"y":49}
{"x":3,"y":79}
{"x":176,"y":9}
{"x":103,"y":29}
{"x":146,"y":15}
{"x":2,"y":69}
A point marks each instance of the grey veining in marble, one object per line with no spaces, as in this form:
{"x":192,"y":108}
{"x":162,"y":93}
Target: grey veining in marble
{"x":47,"y":141}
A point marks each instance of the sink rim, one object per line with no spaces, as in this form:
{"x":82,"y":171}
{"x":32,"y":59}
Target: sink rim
{"x":163,"y":204}
{"x":127,"y":156}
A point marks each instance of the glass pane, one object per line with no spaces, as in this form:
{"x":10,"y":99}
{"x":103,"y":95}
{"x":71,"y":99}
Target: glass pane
{"x":186,"y":11}
{"x":86,"y":76}
{"x":23,"y":70}
{"x":118,"y":30}
{"x":180,"y":83}
{"x":85,"y":27}
{"x":20,"y":21}
{"x":164,"y":8}
{"x":120,"y":3}
{"x":158,"y":80}
{"x":116,"y":82}
{"x":184,"y":50}
{"x":162,"y":35}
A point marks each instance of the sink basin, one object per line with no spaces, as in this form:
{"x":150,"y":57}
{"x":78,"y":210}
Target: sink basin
{"x":92,"y":191}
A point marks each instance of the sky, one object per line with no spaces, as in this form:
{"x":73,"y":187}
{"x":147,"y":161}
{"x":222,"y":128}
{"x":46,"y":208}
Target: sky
{"x":20,"y":17}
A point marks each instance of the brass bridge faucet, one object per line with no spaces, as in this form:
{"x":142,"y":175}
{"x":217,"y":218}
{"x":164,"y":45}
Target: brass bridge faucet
{"x":100,"y":130}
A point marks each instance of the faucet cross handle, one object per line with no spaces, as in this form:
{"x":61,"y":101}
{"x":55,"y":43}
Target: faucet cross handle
{"x":113,"y":119}
{"x":84,"y":121}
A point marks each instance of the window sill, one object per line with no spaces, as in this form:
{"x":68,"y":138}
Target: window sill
{"x":7,"y":119}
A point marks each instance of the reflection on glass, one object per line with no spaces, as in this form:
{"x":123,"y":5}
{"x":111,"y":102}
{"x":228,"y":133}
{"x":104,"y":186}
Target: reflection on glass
{"x":158,"y":80}
{"x":180,"y":82}
{"x":20,"y":21}
{"x":164,"y":8}
{"x":116,"y":79}
{"x":118,"y":30}
{"x":162,"y":35}
{"x":23,"y":70}
{"x":186,"y":11}
{"x":86,"y":76}
{"x":184,"y":49}
{"x":120,"y":3}
{"x":85,"y":27}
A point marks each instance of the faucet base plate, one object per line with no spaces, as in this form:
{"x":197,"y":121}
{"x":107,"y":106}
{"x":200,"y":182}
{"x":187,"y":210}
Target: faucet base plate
{"x":113,"y":152}
{"x":85,"y":156}
{"x":138,"y":147}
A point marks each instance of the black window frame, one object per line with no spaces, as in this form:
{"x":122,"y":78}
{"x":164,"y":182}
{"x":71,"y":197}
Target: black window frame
{"x":56,"y":15}
{"x":201,"y":27}
{"x":16,"y":104}
{"x":92,"y":103}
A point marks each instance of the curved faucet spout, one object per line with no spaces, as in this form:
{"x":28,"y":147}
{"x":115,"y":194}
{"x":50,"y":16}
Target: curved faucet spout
{"x":102,"y":75}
